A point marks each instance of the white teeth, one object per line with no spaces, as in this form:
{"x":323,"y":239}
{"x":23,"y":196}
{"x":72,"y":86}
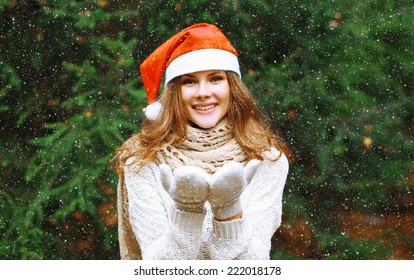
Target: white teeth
{"x":204,"y":108}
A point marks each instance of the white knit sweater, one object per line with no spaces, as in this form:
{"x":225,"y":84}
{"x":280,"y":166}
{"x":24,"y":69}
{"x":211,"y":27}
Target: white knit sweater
{"x":164,"y":232}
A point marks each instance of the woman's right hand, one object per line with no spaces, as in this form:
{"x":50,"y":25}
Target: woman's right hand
{"x":188,"y":186}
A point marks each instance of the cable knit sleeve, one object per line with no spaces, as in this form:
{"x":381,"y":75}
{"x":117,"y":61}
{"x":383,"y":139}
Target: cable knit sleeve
{"x":250,"y":237}
{"x":162,"y":231}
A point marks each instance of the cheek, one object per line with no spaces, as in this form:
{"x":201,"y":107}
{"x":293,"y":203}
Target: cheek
{"x":227,"y":108}
{"x":185,"y":97}
{"x":226,"y":98}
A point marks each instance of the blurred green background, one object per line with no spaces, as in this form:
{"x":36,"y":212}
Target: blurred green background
{"x":334,"y":77}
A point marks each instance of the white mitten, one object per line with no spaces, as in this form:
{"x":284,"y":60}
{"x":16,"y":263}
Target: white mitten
{"x":227,"y":184}
{"x":187,"y":186}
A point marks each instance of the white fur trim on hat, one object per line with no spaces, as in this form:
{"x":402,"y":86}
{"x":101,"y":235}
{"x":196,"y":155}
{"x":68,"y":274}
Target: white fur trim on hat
{"x":200,"y":60}
{"x":153,"y":110}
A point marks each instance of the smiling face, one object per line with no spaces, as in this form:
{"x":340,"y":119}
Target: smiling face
{"x":206,"y":95}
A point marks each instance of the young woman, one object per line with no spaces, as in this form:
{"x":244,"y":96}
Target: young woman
{"x":204,"y":178}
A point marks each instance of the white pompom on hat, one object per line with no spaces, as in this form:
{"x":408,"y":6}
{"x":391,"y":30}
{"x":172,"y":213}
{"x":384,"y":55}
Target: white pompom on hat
{"x":199,"y":47}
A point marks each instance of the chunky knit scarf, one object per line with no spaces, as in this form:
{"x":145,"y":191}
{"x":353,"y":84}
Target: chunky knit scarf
{"x":205,"y":148}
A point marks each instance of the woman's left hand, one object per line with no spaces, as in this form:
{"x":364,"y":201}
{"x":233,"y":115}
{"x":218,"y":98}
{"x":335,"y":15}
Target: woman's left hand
{"x":227,"y":184}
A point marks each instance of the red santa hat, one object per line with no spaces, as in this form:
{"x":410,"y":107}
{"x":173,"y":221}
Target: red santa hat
{"x":197,"y":48}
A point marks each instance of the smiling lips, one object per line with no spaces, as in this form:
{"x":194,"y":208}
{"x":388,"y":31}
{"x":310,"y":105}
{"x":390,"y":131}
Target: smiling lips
{"x":204,"y":107}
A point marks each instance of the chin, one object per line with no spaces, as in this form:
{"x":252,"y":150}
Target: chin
{"x":205,"y":124}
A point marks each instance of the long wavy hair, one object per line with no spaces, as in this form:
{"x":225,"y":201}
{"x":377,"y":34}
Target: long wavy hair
{"x":250,"y":127}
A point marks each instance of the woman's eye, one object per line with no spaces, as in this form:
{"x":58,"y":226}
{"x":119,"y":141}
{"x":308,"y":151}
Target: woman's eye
{"x":216,"y":78}
{"x":187,"y":81}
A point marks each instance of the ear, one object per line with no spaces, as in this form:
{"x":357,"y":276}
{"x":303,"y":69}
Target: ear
{"x":153,"y":111}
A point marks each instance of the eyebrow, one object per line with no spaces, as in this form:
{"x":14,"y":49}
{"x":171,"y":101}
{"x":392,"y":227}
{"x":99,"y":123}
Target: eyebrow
{"x":211,"y":74}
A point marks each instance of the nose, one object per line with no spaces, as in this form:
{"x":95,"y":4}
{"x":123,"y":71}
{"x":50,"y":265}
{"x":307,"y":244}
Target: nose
{"x":203,"y":90}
